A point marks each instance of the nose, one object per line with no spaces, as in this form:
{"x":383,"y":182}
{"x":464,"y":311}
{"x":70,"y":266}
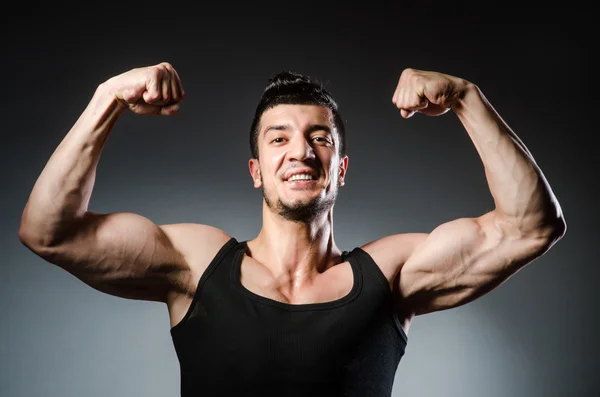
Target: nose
{"x":300,"y":149}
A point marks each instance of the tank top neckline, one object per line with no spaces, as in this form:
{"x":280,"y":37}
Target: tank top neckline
{"x":350,"y":296}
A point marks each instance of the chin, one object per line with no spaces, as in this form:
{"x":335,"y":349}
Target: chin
{"x":305,"y":210}
{"x":305,"y":199}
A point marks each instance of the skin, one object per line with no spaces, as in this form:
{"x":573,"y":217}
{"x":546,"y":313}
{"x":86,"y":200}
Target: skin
{"x":294,"y":258}
{"x":293,"y":138}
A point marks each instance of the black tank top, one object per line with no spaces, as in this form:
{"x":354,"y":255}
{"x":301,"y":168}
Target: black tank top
{"x":233,"y":342}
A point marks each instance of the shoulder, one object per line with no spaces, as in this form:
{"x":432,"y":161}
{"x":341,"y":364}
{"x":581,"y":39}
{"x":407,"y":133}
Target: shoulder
{"x":194,"y":232}
{"x":391,"y":252}
{"x":198,"y":243}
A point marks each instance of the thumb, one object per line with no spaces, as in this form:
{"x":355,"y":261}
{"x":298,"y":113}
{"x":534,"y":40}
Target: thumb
{"x":406,"y":113}
{"x":143,"y":108}
{"x":132,"y":95}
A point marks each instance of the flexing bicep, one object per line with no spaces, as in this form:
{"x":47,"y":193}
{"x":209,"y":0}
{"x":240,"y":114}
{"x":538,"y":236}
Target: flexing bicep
{"x":122,"y":254}
{"x":464,"y":259}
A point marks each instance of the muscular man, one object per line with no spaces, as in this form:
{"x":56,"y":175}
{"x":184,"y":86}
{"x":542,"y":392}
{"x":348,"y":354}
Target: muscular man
{"x":289,"y":313}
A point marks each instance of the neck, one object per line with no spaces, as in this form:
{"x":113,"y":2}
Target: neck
{"x":295,"y":251}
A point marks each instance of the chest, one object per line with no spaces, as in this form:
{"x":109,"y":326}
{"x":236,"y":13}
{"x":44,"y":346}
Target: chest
{"x":329,"y":286}
{"x":333,"y":334}
{"x":305,"y":349}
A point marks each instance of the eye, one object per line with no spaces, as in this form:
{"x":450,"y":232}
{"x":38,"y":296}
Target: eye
{"x":322,"y":141}
{"x":277,"y":140}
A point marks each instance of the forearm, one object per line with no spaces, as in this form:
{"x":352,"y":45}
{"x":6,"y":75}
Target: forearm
{"x":520,"y":191}
{"x":62,"y":192}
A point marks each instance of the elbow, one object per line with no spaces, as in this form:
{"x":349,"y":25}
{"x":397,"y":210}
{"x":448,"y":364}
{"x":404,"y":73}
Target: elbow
{"x":551,"y":232}
{"x":556,"y":225}
{"x":548,"y":225}
{"x":29,"y":238}
{"x":30,"y":231}
{"x":42,"y":233}
{"x":559,"y":228}
{"x":37,"y":242}
{"x":556,"y":221}
{"x":25,"y":234}
{"x":541,"y":231}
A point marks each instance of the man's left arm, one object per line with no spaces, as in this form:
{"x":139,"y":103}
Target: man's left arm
{"x":463,"y":259}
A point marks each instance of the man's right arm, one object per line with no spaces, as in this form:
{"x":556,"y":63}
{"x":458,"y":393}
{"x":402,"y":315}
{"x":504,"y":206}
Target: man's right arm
{"x":122,"y":254}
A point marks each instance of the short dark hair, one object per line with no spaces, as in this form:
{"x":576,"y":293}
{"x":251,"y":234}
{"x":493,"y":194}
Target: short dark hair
{"x":290,"y":88}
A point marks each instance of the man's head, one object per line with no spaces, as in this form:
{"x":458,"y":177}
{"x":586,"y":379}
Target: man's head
{"x":290,"y":88}
{"x":297,"y":127}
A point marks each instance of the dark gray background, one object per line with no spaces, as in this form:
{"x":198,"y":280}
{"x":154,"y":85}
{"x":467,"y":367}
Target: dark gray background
{"x":536,"y":335}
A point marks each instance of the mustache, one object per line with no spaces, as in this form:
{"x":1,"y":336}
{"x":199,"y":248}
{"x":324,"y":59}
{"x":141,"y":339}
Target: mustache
{"x":293,"y":166}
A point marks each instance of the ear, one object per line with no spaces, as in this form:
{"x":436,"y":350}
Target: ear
{"x":343,"y":168}
{"x":254,"y":167}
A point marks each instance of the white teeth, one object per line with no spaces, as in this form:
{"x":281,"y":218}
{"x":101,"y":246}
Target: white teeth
{"x":301,"y":177}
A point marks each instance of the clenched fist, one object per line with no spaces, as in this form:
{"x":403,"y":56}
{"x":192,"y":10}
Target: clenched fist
{"x":153,"y":90}
{"x":430,"y":93}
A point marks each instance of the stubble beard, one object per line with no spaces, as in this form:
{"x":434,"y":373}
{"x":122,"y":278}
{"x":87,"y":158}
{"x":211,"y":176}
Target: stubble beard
{"x":302,"y":212}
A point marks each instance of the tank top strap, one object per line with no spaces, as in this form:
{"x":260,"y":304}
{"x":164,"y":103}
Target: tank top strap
{"x":213,"y":270}
{"x":376,"y":283}
{"x":371,"y":271}
{"x":224,"y":255}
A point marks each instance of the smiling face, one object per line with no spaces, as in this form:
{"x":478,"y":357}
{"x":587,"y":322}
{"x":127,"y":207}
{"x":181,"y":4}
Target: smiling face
{"x":300,"y":169}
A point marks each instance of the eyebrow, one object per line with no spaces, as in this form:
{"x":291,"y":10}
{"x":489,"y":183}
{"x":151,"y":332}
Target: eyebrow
{"x":311,"y":128}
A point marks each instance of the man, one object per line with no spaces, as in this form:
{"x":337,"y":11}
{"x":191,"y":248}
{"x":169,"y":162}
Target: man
{"x":289,"y":313}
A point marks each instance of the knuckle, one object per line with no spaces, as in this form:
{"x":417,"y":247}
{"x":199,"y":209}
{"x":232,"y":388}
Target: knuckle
{"x":409,"y":72}
{"x":153,"y":73}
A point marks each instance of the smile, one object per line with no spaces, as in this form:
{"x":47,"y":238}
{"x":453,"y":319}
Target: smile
{"x":301,"y":177}
{"x":301,"y":182}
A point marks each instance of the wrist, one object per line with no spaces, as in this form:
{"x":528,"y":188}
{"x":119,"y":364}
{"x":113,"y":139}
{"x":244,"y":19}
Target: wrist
{"x":106,"y":95}
{"x":469,"y":97}
{"x":103,"y":109}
